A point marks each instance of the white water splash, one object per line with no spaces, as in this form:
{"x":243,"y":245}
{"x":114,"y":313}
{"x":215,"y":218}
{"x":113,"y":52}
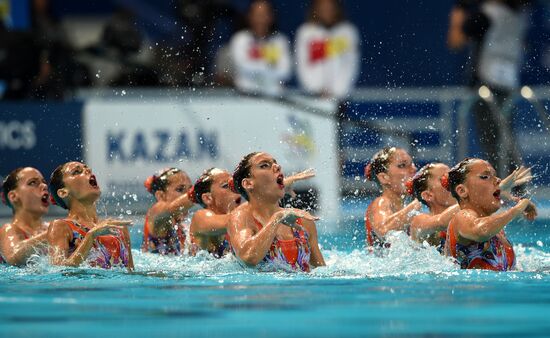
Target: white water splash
{"x":404,"y":258}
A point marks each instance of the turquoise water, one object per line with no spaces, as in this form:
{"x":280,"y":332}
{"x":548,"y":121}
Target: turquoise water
{"x":411,"y":290}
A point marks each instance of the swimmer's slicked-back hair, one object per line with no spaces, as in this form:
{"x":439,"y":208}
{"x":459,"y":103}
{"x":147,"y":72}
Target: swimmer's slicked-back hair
{"x":9,"y":184}
{"x":204,"y":184}
{"x":379,"y":163}
{"x":56,"y":183}
{"x":457,"y":175}
{"x":420,"y":182}
{"x":160,"y":181}
{"x":241,"y":172}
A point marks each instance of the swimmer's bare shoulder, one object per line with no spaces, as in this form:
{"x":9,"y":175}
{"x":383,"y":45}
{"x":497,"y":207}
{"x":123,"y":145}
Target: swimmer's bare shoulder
{"x":240,"y":227}
{"x":464,"y":216}
{"x":58,"y":229}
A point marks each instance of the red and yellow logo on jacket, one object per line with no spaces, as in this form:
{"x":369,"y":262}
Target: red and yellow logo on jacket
{"x":327,"y":48}
{"x":270,"y":53}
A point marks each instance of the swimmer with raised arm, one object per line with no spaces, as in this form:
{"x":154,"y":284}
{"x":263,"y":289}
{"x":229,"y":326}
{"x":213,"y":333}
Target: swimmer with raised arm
{"x":261,"y":232}
{"x":25,"y":191}
{"x":390,"y":168}
{"x":163,"y":231}
{"x":82,"y":236}
{"x":475,"y":236}
{"x":208,"y":229}
{"x":427,"y":188}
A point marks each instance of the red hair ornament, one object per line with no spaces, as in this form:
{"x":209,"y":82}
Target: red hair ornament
{"x":191,"y":195}
{"x":410,"y":186}
{"x":149,"y":183}
{"x":231,"y":184}
{"x":445,"y":181}
{"x":52,"y":200}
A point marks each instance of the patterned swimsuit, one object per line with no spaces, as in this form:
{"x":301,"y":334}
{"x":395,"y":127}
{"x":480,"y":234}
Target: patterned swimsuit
{"x":173,"y":243}
{"x":290,"y":254}
{"x":495,"y":254}
{"x":108,"y":251}
{"x":218,"y":251}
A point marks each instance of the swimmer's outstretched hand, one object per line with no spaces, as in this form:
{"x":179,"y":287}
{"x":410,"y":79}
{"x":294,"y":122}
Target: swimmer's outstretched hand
{"x":288,"y":216}
{"x":520,"y":176}
{"x":109,"y":227}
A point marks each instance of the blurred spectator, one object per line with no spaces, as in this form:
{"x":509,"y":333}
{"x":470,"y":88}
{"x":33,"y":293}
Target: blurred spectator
{"x":496,"y":32}
{"x":58,"y":69}
{"x":121,"y":58}
{"x":327,"y":51}
{"x":19,"y":63}
{"x":201,"y":19}
{"x":260,"y":54}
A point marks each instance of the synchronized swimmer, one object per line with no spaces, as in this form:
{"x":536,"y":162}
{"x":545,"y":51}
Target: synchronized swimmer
{"x":241,"y":214}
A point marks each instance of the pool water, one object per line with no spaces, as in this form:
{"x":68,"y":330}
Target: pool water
{"x":409,"y":290}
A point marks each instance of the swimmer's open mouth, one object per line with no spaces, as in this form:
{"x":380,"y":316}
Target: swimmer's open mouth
{"x":45,"y":199}
{"x":238,"y":200}
{"x":280,"y":181}
{"x":93,"y":181}
{"x":496,"y":194}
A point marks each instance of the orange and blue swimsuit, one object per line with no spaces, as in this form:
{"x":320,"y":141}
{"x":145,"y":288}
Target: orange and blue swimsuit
{"x":442,"y":238}
{"x":289,"y":254}
{"x":108,"y":250}
{"x":218,"y":251}
{"x":495,"y":254}
{"x":173,"y":243}
{"x":223,"y":248}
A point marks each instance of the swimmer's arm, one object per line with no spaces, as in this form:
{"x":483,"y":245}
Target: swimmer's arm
{"x":205,"y":222}
{"x":161,"y":214}
{"x":180,"y":205}
{"x":316,"y":258}
{"x":384,"y":220}
{"x":59,"y":236}
{"x":15,"y":249}
{"x":160,"y":223}
{"x":481,"y":229}
{"x":251,"y":247}
{"x":424,"y":224}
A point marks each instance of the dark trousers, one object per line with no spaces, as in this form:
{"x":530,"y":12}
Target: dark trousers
{"x":496,"y":136}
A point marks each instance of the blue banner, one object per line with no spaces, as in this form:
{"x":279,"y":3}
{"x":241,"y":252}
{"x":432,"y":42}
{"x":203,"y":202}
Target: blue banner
{"x":40,"y":135}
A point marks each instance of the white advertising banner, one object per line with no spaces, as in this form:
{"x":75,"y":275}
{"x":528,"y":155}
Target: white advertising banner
{"x":127,"y":140}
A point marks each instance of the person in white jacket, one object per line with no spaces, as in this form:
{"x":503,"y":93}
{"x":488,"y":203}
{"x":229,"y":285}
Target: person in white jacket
{"x":327,"y":51}
{"x":260,"y":54}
